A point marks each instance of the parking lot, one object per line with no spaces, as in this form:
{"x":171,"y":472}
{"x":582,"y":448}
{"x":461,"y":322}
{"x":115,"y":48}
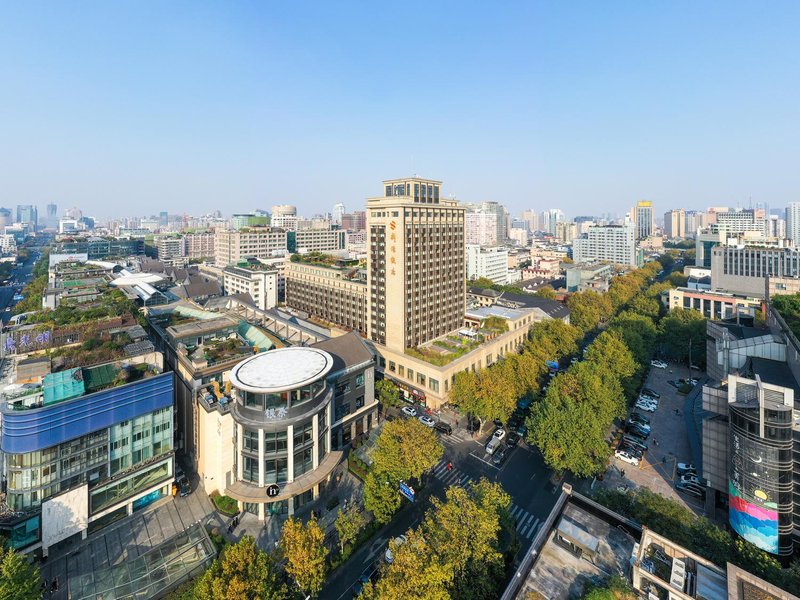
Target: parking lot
{"x":668,"y":443}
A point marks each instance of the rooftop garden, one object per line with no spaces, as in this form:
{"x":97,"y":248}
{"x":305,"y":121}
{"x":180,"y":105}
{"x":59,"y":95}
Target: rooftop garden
{"x":96,"y":348}
{"x":322,"y":259}
{"x":446,"y":350}
{"x":222,"y":350}
{"x":788,"y":307}
{"x":112,"y":303}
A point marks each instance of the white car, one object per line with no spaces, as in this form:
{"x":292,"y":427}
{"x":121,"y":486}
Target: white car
{"x":691,"y":479}
{"x":426,"y":420}
{"x":409,"y":411}
{"x":651,"y":408}
{"x":658,"y":364}
{"x":499,"y":434}
{"x":628,"y":458}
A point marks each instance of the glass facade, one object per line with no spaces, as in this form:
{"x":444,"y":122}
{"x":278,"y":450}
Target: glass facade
{"x":128,"y":486}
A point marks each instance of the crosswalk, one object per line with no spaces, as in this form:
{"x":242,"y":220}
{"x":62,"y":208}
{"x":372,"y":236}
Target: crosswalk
{"x":524,"y":522}
{"x":455,"y":438}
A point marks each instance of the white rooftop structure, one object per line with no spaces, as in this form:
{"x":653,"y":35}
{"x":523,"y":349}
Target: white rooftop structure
{"x":281,"y":370}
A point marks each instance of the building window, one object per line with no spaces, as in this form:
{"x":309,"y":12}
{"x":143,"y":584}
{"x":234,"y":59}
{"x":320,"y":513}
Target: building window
{"x":411,"y":374}
{"x":401,"y":370}
{"x":303,"y":461}
{"x":392,"y":366}
{"x":360,"y":401}
{"x":250,"y":440}
{"x":360,"y":380}
{"x":433,"y":384}
{"x":421,"y":379}
{"x":274,"y":443}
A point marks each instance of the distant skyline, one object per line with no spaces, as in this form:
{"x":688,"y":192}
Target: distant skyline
{"x":131,"y":108}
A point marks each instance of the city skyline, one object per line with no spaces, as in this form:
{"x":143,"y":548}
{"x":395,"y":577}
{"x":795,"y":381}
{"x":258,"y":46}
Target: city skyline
{"x":533,"y":107}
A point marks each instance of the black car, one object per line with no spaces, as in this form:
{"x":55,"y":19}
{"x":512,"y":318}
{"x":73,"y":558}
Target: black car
{"x":639,"y":418}
{"x":650,"y":392}
{"x":184,"y":486}
{"x":500,"y":456}
{"x":513,"y":439}
{"x":513,"y":422}
{"x":638,"y":431}
{"x":443,"y":427}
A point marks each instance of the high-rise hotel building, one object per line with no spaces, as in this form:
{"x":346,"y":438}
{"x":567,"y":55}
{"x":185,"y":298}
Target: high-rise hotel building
{"x":416,"y":264}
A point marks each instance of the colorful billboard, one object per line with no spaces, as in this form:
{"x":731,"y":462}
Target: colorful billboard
{"x":757,"y":523}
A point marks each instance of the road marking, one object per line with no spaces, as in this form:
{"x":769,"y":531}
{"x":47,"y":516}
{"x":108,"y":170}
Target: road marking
{"x":528,"y":531}
{"x":514,"y":510}
{"x":525,"y":519}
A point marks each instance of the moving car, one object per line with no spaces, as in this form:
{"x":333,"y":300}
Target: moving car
{"x":363,"y":579}
{"x":443,"y":427}
{"x":427,"y":421}
{"x":627,"y":457}
{"x":409,"y":411}
{"x":658,"y":364}
{"x":398,"y":541}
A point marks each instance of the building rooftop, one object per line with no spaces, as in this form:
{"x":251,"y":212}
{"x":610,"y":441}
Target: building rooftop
{"x":773,"y":371}
{"x":281,"y":370}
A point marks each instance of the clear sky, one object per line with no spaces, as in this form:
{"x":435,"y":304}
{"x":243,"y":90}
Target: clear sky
{"x":130,"y":108}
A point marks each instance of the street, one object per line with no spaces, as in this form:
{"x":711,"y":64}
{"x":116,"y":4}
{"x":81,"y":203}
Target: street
{"x":20,"y":275}
{"x":523,"y":476}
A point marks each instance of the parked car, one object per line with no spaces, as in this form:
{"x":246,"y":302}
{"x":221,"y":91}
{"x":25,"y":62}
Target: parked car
{"x":639,"y":418}
{"x":639,"y":427}
{"x":409,"y":411}
{"x":646,"y":407}
{"x":695,"y":367}
{"x":651,"y":392}
{"x":691,"y":479}
{"x":658,"y":364}
{"x":398,"y":541}
{"x":513,"y":422}
{"x":443,"y":427}
{"x":184,"y":486}
{"x":427,"y":421}
{"x":627,"y":457}
{"x":646,"y":402}
{"x":690,"y":488}
{"x":500,"y":456}
{"x":499,"y":433}
{"x":513,"y":439}
{"x":686,"y":468}
{"x":634,"y":442}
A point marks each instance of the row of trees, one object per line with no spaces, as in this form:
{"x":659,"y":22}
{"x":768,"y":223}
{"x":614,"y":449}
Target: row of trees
{"x":455,"y":553}
{"x":405,"y":449}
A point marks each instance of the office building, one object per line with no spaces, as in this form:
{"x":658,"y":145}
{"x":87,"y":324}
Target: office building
{"x":334,"y":290}
{"x":501,"y":222}
{"x":675,"y":224}
{"x":99,"y":248}
{"x":793,"y":222}
{"x":171,"y":250}
{"x":713,"y":305}
{"x":532,"y":218}
{"x":231,"y":246}
{"x":740,"y":221}
{"x":338,"y":213}
{"x":27,"y":214}
{"x":489,"y":263}
{"x":566,"y":231}
{"x":6,"y":218}
{"x":752,"y":270}
{"x":281,"y":421}
{"x":163,"y":218}
{"x":776,"y":228}
{"x":581,"y":277}
{"x":521,"y":237}
{"x":52,"y":216}
{"x":199,"y":245}
{"x":316,"y":240}
{"x":84,"y":446}
{"x":695,"y":220}
{"x":255,"y":279}
{"x":608,"y":243}
{"x":285,"y":216}
{"x":549,"y":219}
{"x":481,"y":228}
{"x":416,"y":264}
{"x":249,"y":220}
{"x":643,"y":219}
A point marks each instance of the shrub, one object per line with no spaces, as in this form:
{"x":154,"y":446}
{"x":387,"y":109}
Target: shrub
{"x":226,"y":505}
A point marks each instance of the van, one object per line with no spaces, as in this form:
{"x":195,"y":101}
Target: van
{"x":493,"y":444}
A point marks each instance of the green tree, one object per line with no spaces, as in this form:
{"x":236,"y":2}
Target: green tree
{"x":349,"y":524}
{"x":679,"y":329}
{"x":19,"y":577}
{"x":560,"y":339}
{"x":464,"y":392}
{"x":304,"y":549}
{"x":415,"y":572}
{"x":381,"y":496}
{"x":638,"y":332}
{"x":405,"y":449}
{"x":546,"y":292}
{"x":388,"y":393}
{"x":587,"y":309}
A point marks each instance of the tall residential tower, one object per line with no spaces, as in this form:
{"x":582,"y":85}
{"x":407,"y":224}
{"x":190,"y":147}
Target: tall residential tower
{"x":416,"y":263}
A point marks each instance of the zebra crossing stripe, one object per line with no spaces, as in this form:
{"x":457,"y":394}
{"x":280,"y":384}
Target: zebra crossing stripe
{"x":524,"y":519}
{"x":528,"y":531}
{"x":515,"y":510}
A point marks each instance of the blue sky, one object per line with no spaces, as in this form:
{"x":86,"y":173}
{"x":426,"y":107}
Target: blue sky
{"x":130,"y":108}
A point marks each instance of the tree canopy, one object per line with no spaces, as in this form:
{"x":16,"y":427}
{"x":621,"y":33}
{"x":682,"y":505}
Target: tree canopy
{"x":302,"y":545}
{"x":19,"y":577}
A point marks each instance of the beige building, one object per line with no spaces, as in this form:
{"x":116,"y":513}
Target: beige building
{"x":259,"y":242}
{"x":255,"y":279}
{"x":200,"y":244}
{"x":675,"y":224}
{"x":416,"y":265}
{"x":336,"y":292}
{"x":317,"y":240}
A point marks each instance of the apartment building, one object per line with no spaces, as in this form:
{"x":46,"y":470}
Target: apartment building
{"x":171,"y":250}
{"x":608,"y":243}
{"x":231,"y":246}
{"x":480,"y":228}
{"x":643,"y":218}
{"x":255,"y":279}
{"x":487,"y":262}
{"x":99,"y":248}
{"x":199,"y":245}
{"x":335,"y":291}
{"x":713,"y":305}
{"x":416,"y":264}
{"x":675,"y":224}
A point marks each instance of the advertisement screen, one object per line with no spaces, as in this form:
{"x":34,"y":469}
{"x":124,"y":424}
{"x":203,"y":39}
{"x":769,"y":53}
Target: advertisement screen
{"x":753,"y":507}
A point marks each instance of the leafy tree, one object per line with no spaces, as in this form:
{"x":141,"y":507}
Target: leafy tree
{"x":304,"y":549}
{"x":646,"y":305}
{"x":680,"y":328}
{"x":388,"y":393}
{"x":638,"y":332}
{"x":610,"y":353}
{"x":588,"y":309}
{"x":405,"y":449}
{"x":349,"y":524}
{"x":243,"y":572}
{"x":381,"y":496}
{"x":464,"y":392}
{"x":546,"y":292}
{"x":554,"y":335}
{"x":415,"y":572}
{"x":19,"y":578}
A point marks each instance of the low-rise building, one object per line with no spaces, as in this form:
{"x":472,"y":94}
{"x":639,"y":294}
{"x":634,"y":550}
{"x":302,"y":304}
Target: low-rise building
{"x":232,"y":246}
{"x":199,"y":245}
{"x":713,"y":305}
{"x":255,"y":279}
{"x":316,"y":240}
{"x":582,"y":277}
{"x":328,"y":288}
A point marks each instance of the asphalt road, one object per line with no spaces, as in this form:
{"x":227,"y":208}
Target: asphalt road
{"x":7,"y":291}
{"x":523,"y":476}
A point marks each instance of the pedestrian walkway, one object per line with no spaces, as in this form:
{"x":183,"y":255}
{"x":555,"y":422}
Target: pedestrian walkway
{"x":459,"y":436}
{"x":525,"y":523}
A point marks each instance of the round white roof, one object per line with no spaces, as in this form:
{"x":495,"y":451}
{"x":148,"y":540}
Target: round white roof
{"x":281,"y":370}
